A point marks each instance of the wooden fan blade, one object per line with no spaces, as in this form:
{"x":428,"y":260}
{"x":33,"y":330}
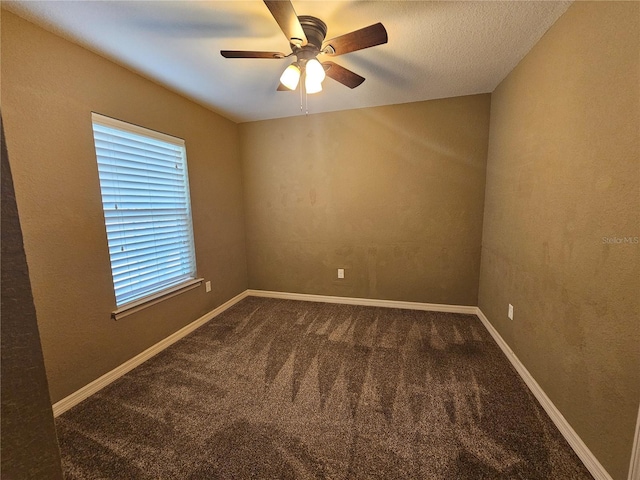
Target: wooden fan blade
{"x":285,"y":15}
{"x":359,"y":39}
{"x":342,"y":75}
{"x":248,"y":54}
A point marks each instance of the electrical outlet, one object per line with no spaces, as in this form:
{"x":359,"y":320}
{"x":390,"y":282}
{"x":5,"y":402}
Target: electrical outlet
{"x":510,"y":311}
{"x":207,"y":286}
{"x":341,"y":273}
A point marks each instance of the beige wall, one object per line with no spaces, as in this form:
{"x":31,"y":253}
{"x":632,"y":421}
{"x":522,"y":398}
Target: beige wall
{"x":49,"y":89}
{"x":392,"y":194}
{"x":562,"y":173}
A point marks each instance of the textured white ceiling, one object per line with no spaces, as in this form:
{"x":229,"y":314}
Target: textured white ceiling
{"x":435,"y":50}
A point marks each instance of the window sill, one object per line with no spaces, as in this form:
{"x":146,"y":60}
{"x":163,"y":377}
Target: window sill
{"x":141,"y":304}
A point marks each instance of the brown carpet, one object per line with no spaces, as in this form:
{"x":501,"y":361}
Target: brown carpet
{"x":281,"y":389}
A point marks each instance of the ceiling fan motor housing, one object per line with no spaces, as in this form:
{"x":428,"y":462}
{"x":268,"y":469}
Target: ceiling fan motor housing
{"x":315,"y":30}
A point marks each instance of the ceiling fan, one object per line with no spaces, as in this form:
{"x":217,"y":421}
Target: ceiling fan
{"x":306,"y":36}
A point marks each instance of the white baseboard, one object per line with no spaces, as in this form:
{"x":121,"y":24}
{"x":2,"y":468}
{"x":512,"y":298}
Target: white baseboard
{"x":590,"y":461}
{"x":101,"y":382}
{"x":432,"y":307}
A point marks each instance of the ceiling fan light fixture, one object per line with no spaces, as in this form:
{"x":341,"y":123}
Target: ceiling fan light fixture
{"x":315,"y":71}
{"x":291,"y":76}
{"x":312,"y":86}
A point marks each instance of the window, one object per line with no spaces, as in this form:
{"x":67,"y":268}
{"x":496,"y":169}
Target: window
{"x":147,"y":212}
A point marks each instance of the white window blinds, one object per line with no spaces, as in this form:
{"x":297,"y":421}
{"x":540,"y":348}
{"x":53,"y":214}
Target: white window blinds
{"x":145,"y":197}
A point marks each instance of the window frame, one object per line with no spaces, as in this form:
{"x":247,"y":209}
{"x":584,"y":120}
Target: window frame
{"x":155,"y":296}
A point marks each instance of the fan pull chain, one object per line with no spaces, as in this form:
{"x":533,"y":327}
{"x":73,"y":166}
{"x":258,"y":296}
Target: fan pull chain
{"x":306,"y":97}
{"x":301,"y":87}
